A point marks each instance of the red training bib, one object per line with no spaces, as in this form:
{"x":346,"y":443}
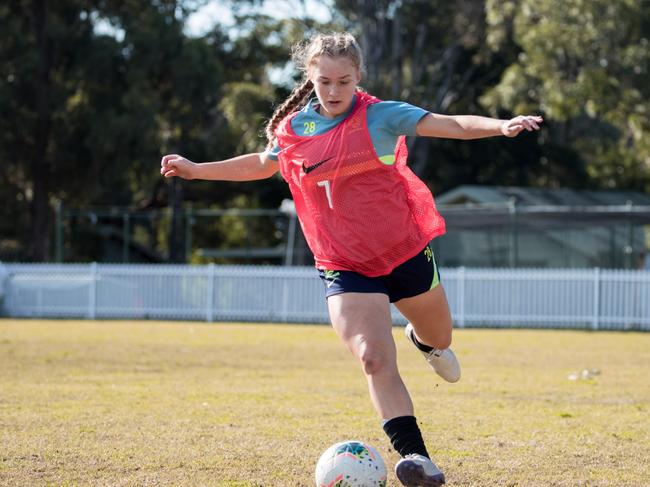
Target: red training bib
{"x":356,"y":213}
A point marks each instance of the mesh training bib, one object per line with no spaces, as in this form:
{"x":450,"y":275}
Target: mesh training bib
{"x":356,"y":213}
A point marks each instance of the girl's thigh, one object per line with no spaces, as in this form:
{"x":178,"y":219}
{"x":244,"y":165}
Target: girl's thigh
{"x":362,"y":321}
{"x":430,"y":316}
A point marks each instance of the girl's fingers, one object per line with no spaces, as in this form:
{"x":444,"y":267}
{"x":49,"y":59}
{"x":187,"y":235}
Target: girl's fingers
{"x":530,"y":123}
{"x":525,"y":122}
{"x":168,"y":168}
{"x":168,"y":158}
{"x":522,"y":122}
{"x":535,"y":121}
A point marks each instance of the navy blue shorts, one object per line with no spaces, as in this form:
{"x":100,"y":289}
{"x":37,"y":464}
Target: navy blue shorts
{"x":415,"y":276}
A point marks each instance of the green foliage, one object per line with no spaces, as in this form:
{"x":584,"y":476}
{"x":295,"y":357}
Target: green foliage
{"x":92,"y":110}
{"x":245,"y":107}
{"x":434,"y":55}
{"x":114,"y":104}
{"x":585,"y":65}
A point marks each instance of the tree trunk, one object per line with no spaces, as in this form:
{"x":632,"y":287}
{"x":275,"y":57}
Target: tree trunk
{"x":39,"y":241}
{"x":396,"y":47}
{"x":176,"y":230}
{"x":373,"y":38}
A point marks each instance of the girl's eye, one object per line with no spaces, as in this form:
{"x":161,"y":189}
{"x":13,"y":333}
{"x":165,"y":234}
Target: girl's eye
{"x":345,"y":82}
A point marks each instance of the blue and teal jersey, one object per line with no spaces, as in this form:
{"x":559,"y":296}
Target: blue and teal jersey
{"x":387,"y":120}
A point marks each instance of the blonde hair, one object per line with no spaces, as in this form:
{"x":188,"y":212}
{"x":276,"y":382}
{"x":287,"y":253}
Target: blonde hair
{"x":304,"y":56}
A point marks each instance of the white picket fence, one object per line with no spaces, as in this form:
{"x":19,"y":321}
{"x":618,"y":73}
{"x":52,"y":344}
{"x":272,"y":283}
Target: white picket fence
{"x":552,"y":298}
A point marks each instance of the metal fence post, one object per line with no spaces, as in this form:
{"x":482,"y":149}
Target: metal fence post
{"x":461,"y":297}
{"x":596,"y":317}
{"x":291,"y":240}
{"x":210,"y":310}
{"x":514,"y":232}
{"x":58,"y":240}
{"x":189,"y":222}
{"x":126,"y":236}
{"x":92,"y":292}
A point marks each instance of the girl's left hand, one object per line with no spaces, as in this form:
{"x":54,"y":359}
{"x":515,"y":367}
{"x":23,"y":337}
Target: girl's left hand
{"x":511,"y":128}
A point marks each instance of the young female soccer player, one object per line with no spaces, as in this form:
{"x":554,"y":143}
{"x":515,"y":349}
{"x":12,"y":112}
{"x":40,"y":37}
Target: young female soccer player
{"x":367,"y":219}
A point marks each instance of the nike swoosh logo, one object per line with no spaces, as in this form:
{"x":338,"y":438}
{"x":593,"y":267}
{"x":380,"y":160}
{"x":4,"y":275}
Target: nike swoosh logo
{"x":314,"y":166}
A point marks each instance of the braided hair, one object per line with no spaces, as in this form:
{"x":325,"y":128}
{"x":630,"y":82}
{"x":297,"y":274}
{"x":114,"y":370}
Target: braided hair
{"x":305,"y":55}
{"x":296,"y":100}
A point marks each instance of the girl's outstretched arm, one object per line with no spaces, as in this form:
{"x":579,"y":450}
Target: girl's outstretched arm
{"x":242,"y":168}
{"x":474,"y":127}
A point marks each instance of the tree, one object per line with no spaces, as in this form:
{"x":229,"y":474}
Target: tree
{"x":434,"y":55}
{"x":98,"y":90}
{"x":38,"y":56}
{"x":91,"y":112}
{"x":585,"y":65}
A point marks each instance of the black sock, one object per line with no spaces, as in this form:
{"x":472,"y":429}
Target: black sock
{"x":420,"y":345}
{"x":405,"y":436}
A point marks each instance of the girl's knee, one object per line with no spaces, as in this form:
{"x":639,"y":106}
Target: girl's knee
{"x":373,"y":359}
{"x":439,"y":338}
{"x":443,"y":341}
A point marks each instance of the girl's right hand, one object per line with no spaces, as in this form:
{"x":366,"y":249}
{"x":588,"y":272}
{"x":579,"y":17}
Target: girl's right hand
{"x":175,"y":165}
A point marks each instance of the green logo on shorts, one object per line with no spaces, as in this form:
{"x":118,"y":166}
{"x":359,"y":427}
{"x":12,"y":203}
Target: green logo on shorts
{"x":429,"y":253}
{"x":331,"y":276}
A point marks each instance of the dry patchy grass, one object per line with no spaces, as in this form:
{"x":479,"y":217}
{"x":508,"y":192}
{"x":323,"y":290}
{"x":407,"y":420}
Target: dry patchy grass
{"x":241,"y":405}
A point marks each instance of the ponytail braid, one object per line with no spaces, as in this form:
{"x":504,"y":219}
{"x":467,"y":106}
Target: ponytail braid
{"x":297,"y":99}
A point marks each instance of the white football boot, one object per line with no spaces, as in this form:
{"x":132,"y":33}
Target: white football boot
{"x":418,"y":471}
{"x":444,"y":362}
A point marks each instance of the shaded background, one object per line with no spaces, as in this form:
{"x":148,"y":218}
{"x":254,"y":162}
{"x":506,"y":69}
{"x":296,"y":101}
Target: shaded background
{"x":93,"y":93}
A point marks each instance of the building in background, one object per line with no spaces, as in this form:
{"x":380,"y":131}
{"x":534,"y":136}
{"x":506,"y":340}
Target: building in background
{"x":495,"y":226}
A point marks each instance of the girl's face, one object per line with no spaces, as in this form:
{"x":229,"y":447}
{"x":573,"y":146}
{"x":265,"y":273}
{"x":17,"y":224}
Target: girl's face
{"x":335,"y":81}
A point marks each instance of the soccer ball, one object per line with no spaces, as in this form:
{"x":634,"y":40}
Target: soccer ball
{"x":350,"y":464}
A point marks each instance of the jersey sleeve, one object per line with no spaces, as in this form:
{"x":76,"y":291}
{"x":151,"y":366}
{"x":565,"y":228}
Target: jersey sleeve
{"x":273,"y":153}
{"x":396,"y":117}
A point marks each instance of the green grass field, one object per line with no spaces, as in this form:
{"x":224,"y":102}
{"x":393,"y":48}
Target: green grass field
{"x":120,"y":403}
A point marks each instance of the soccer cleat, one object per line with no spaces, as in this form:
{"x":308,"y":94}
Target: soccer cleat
{"x":418,"y":471}
{"x":444,"y":362}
